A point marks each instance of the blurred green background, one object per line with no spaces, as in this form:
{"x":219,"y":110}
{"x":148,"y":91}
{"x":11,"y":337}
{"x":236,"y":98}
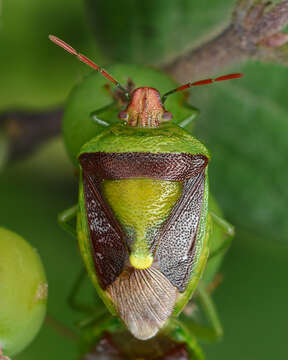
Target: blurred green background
{"x":243,"y":123}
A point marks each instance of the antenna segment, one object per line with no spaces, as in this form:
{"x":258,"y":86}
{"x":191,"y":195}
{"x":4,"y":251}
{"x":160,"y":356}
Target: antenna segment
{"x":201,"y":82}
{"x":88,"y":62}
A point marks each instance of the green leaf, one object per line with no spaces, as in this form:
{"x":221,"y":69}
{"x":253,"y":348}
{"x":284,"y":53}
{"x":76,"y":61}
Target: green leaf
{"x":245,"y":124}
{"x":251,"y":301}
{"x":152,"y":31}
{"x":33,"y":71}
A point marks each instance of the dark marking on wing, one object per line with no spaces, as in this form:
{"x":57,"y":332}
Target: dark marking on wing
{"x":107,"y":239}
{"x":176,"y":240}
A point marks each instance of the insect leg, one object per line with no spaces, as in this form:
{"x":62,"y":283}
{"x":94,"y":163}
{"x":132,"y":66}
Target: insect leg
{"x":228,"y":230}
{"x":94,"y":115}
{"x":100,"y":322}
{"x":215,"y":331}
{"x":181,"y":333}
{"x":66,"y":220}
{"x":72,"y":298}
{"x":192,"y":114}
{"x":208,"y":333}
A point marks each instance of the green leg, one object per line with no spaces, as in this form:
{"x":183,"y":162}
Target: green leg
{"x":95,"y":115}
{"x":191,"y":116}
{"x":213,"y":331}
{"x":228,"y":230}
{"x":72,"y":298}
{"x":94,"y":313}
{"x":102,"y":325}
{"x":100,"y":321}
{"x":182,"y":334}
{"x":66,"y":220}
{"x":225,"y":225}
{"x":210,"y":312}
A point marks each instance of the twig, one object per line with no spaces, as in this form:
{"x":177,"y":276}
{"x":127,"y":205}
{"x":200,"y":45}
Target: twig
{"x":27,"y":130}
{"x":254,"y":32}
{"x":61,"y":329}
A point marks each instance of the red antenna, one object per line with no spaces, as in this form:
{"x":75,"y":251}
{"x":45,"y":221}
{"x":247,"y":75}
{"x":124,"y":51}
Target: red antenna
{"x":87,"y":61}
{"x":201,"y":82}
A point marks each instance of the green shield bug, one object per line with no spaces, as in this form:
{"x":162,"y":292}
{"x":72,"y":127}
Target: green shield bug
{"x":143,"y":222}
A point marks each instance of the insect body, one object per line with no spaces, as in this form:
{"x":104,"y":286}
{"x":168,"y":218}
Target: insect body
{"x":143,"y":222}
{"x":143,"y":216}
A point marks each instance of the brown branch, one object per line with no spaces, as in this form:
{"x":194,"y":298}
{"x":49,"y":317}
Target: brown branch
{"x":60,"y":328}
{"x":254,"y":32}
{"x":27,"y":130}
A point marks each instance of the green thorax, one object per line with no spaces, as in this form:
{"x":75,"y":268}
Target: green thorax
{"x":167,"y":138}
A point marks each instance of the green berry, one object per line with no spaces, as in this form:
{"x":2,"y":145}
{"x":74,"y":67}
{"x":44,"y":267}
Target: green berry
{"x":23,"y":293}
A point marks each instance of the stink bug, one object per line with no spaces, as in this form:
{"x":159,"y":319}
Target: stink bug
{"x":143,"y":223}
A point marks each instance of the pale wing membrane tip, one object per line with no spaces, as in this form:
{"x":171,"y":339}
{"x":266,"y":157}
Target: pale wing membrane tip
{"x":144,"y":300}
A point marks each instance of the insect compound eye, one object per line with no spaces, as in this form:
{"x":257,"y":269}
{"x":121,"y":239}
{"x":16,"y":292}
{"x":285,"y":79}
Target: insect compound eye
{"x":123,"y":115}
{"x":167,"y":116}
